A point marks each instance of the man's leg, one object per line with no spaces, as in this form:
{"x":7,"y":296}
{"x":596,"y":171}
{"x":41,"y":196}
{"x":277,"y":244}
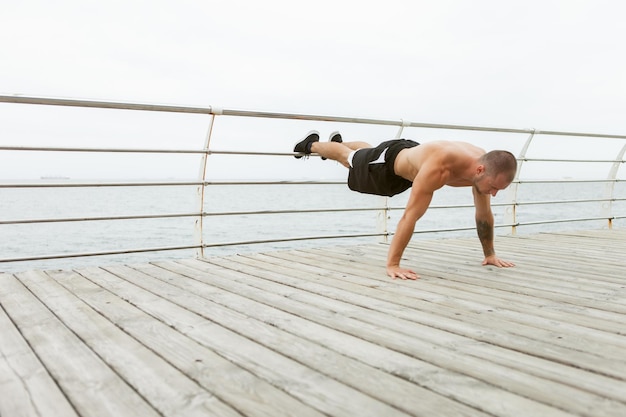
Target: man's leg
{"x":334,"y":149}
{"x":337,"y":151}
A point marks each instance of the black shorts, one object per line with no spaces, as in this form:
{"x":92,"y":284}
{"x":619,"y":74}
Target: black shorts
{"x":372,"y":169}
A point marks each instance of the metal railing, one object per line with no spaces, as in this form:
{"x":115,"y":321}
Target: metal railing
{"x":202,"y":183}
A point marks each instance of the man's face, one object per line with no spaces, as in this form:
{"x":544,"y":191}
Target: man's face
{"x":487,"y":184}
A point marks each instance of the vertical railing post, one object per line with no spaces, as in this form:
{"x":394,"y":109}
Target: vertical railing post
{"x":382,"y":226}
{"x":512,"y":211}
{"x":381,"y":221}
{"x":198,"y":226}
{"x":609,"y":189}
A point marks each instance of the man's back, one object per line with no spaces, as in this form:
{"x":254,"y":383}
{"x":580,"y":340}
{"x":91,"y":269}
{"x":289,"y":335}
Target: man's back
{"x":453,"y":160}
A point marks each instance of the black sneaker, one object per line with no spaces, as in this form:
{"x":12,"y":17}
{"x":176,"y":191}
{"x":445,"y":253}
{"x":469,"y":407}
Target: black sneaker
{"x":335,"y":137}
{"x":304,"y":146}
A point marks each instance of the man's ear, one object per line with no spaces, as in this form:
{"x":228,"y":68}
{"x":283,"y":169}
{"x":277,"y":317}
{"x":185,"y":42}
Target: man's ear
{"x":480,"y":169}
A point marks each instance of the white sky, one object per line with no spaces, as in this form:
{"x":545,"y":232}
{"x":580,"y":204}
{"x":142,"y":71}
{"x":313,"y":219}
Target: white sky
{"x":547,"y":64}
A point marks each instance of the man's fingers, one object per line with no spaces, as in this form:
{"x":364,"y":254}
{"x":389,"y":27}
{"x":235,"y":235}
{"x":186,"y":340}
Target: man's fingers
{"x":395,"y":272}
{"x":406,"y":275}
{"x":499,"y":263}
{"x":505,"y":264}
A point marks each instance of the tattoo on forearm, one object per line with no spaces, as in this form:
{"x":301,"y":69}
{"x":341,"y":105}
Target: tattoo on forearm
{"x":485,"y":234}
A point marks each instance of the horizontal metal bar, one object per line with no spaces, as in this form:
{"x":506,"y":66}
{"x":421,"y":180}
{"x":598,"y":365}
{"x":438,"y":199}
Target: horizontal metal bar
{"x":176,"y":248}
{"x":334,"y":182}
{"x":101,"y":184}
{"x":454,"y":229}
{"x":291,"y":239}
{"x":357,"y":120}
{"x":91,"y":219}
{"x":590,"y":200}
{"x":359,"y":235}
{"x":145,"y":151}
{"x":452,"y":206}
{"x":252,"y":242}
{"x":572,"y":160}
{"x":517,"y":203}
{"x":104,"y":104}
{"x":582,"y":219}
{"x":232,"y":112}
{"x":99,"y":150}
{"x":103,"y":253}
{"x":579,"y":134}
{"x":276,"y":115}
{"x":181,"y":215}
{"x":164,"y":184}
{"x":304,"y":211}
{"x":412,"y":124}
{"x":567,"y":181}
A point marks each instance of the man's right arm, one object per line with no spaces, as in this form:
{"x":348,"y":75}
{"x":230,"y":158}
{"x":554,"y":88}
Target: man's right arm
{"x":416,"y":207}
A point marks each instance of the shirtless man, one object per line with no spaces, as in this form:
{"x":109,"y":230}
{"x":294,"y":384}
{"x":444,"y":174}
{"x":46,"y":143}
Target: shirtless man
{"x":397,"y":165}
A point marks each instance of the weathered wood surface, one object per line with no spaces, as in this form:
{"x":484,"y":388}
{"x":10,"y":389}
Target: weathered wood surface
{"x":324,"y":332}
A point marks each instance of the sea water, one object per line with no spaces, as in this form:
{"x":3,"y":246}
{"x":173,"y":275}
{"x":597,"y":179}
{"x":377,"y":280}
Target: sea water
{"x":35,"y":239}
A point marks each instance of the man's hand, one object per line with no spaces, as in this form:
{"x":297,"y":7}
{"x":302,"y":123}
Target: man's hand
{"x":397,"y":272}
{"x":494,"y":260}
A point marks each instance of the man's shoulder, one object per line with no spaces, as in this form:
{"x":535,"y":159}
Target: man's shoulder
{"x":453,"y":151}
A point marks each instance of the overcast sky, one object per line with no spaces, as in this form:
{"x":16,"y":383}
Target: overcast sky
{"x":548,"y":64}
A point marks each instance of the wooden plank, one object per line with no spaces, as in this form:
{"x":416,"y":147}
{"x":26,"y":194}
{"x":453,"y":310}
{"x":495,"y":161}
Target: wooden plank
{"x":244,"y":391}
{"x":208,"y":324}
{"x":434,"y":255}
{"x":502,"y":300}
{"x":435,"y":287}
{"x":88,"y":383}
{"x":560,"y":253}
{"x":444,"y":354}
{"x":447,"y":316}
{"x":164,"y":387}
{"x":325,"y":332}
{"x":546,"y":281}
{"x":510,"y":280}
{"x":592,"y":239}
{"x":474,"y":298}
{"x":540,"y":266}
{"x":26,"y":387}
{"x":390,"y":389}
{"x":275,"y":296}
{"x":544,"y":256}
{"x":297,"y":320}
{"x":555,"y":248}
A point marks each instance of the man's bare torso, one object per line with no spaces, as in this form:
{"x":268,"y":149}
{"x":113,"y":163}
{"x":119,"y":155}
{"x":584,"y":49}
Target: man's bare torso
{"x":454,"y":159}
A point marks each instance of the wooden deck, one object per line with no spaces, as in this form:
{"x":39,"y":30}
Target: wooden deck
{"x":325,"y":333}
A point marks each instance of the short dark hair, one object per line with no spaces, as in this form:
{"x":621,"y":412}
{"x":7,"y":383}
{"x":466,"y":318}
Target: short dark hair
{"x":499,"y":162}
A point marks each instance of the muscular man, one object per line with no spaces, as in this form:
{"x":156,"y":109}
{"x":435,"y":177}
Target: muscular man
{"x":397,"y":165}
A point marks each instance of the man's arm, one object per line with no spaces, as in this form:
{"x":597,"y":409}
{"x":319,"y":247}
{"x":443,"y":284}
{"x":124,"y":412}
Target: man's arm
{"x":416,"y":207}
{"x":484,"y":228}
{"x":430,"y":177}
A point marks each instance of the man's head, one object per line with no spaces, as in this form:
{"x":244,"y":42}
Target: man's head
{"x":496,"y":170}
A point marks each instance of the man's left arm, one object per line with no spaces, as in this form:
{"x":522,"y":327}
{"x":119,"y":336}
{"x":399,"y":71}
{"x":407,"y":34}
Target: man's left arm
{"x":485,"y":230}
